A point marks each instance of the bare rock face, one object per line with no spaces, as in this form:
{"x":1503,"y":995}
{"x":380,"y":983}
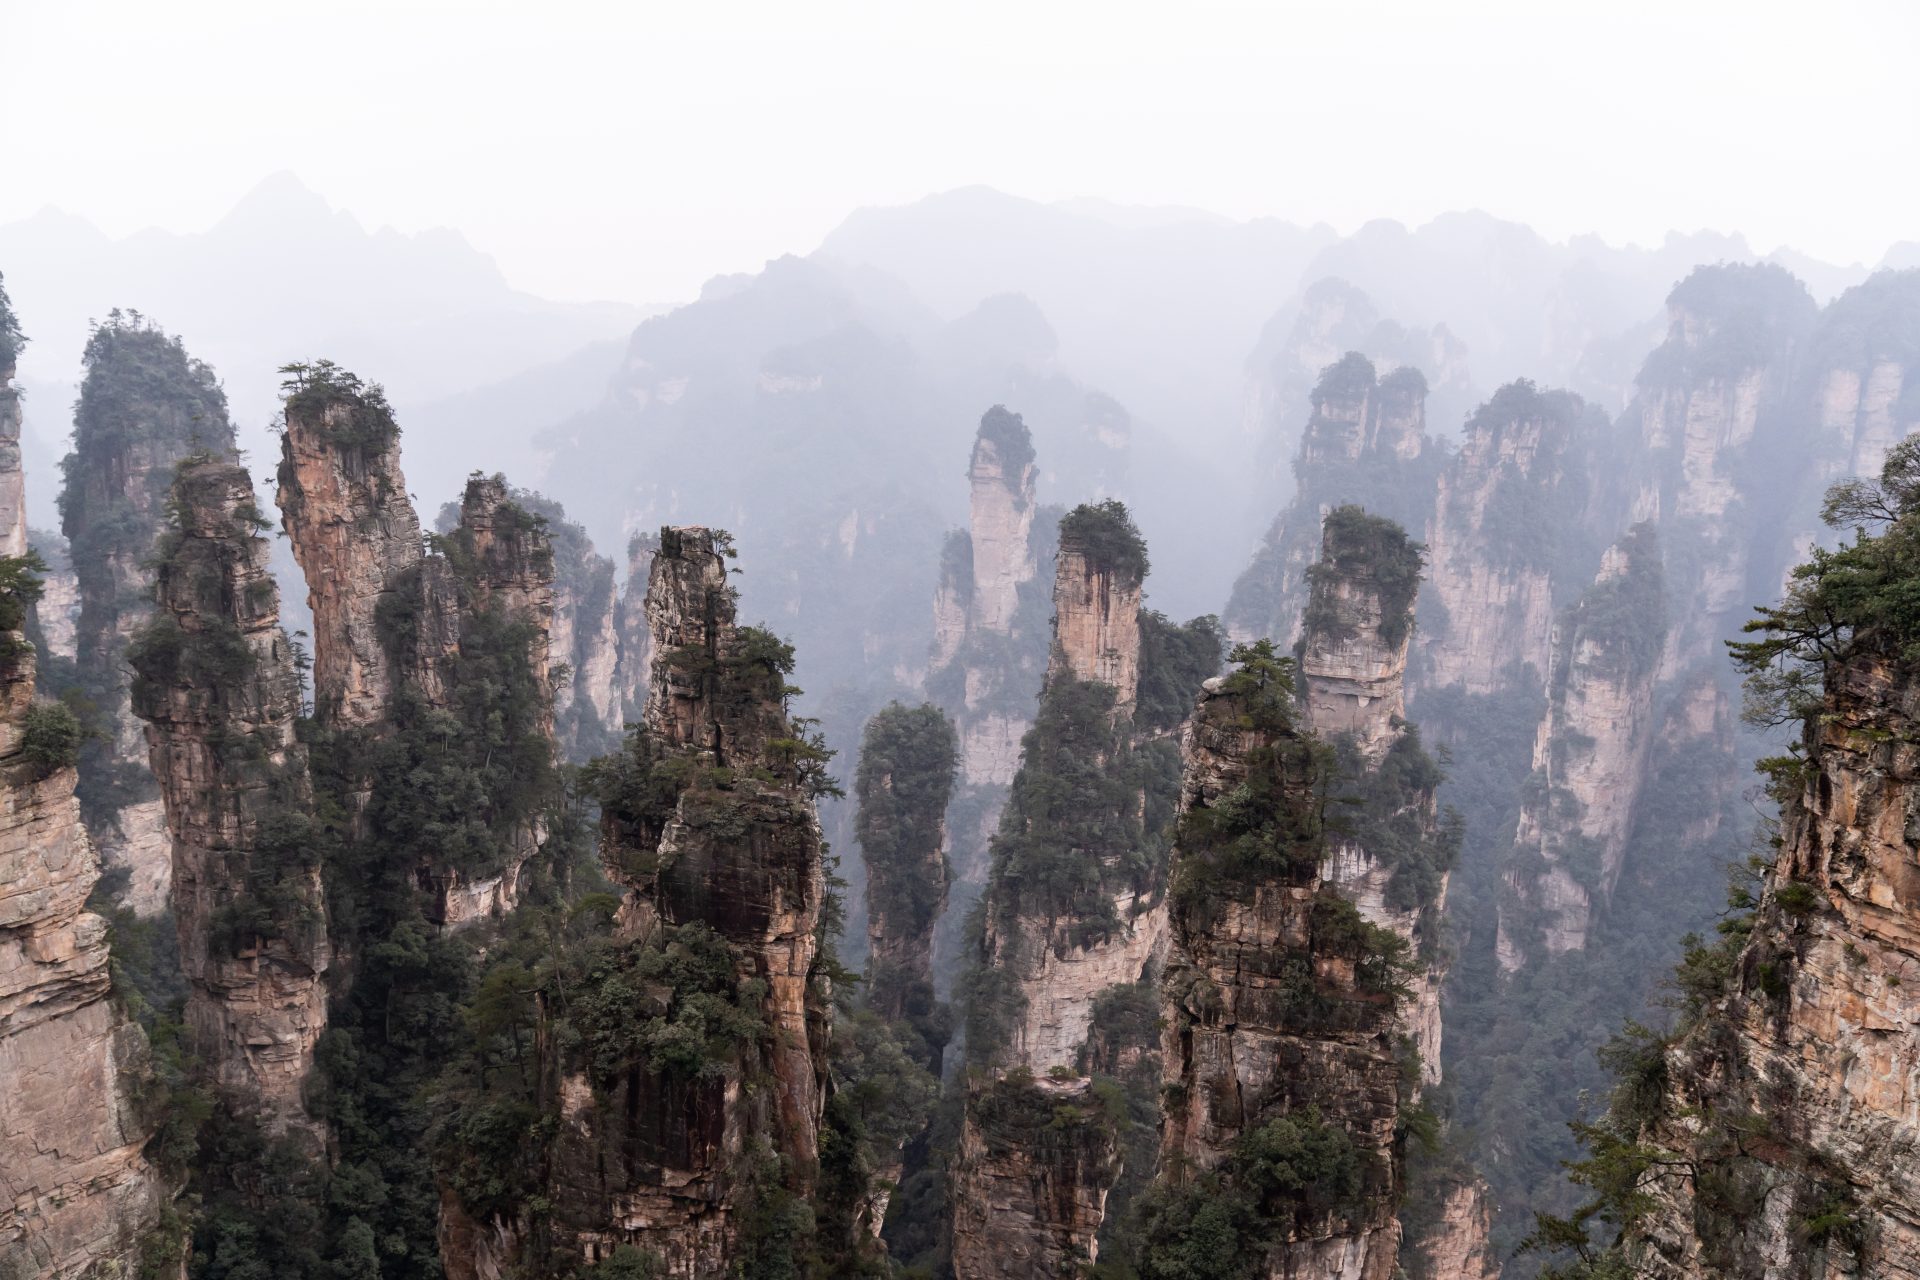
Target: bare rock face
{"x":1491,"y":578}
{"x":634,"y":637}
{"x":1590,"y":756}
{"x":77,"y":1195}
{"x":144,"y":406}
{"x":1001,"y":520}
{"x":1278,"y":1023}
{"x":354,"y":531}
{"x":1458,"y":1248}
{"x":57,"y":610}
{"x":216,"y":685}
{"x":1096,"y":601}
{"x":1793,"y":1096}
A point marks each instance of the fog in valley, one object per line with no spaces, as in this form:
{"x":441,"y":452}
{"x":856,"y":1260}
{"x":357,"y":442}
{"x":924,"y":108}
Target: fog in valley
{"x":1056,"y":641}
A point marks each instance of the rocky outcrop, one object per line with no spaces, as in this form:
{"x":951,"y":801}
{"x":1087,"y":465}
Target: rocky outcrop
{"x":144,"y":405}
{"x":719,"y":855}
{"x":989,"y":649}
{"x":1359,"y":622}
{"x":634,"y":669}
{"x":1364,"y":444}
{"x":1457,"y":1245}
{"x":216,"y":685}
{"x":1507,"y":542}
{"x":1074,"y":910}
{"x":1000,"y":521}
{"x":77,"y":1196}
{"x":1096,"y":603}
{"x":354,"y":532}
{"x":1278,"y":1020}
{"x":1788,"y":1105}
{"x":57,"y":611}
{"x":1590,"y":756}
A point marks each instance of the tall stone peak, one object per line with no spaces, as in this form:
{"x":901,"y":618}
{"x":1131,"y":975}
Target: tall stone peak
{"x":1357,"y":412}
{"x":214,"y":669}
{"x":690,"y":617}
{"x":1097,"y":582}
{"x":1001,"y":476}
{"x":13,"y":487}
{"x":1727,"y":318}
{"x":80,"y":1195}
{"x":1358,"y":626}
{"x":354,"y":531}
{"x":145,"y":405}
{"x":1278,"y":1014}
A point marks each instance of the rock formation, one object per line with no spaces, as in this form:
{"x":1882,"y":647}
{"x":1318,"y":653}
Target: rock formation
{"x":1073,"y":914}
{"x":634,"y":669}
{"x":144,"y":405}
{"x":216,"y":685}
{"x":53,"y":619}
{"x":990,"y":647}
{"x":1278,"y":1019}
{"x":77,"y":1196}
{"x":354,"y":531}
{"x":1590,"y":757}
{"x":1365,"y":443}
{"x":1507,"y":542}
{"x":708,"y":824}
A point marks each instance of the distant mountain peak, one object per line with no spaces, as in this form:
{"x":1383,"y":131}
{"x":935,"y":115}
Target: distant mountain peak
{"x":279,"y":199}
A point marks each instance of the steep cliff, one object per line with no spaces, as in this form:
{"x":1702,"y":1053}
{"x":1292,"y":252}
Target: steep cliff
{"x":1508,"y":542}
{"x":144,"y":405}
{"x":989,"y":650}
{"x":77,"y":1196}
{"x":354,"y":531}
{"x":215,"y":683}
{"x":1283,"y":1081}
{"x":1365,"y":443}
{"x":1769,"y":1131}
{"x":1590,"y":757}
{"x":1072,"y":926}
{"x":634,"y":667}
{"x":688,"y":1094}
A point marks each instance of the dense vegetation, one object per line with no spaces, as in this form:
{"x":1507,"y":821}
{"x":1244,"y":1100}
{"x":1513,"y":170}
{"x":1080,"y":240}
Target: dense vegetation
{"x":908,"y":760}
{"x":1010,"y":437}
{"x":1105,"y":534}
{"x":355,"y":413}
{"x":11,"y":337}
{"x":145,"y":406}
{"x":1357,"y":547}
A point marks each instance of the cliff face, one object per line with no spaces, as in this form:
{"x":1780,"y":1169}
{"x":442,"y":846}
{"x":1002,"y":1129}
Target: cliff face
{"x":634,"y":668}
{"x":216,"y":685}
{"x":720,"y":855}
{"x":1506,"y":541}
{"x":1036,"y":1158}
{"x":77,"y":1195}
{"x":1365,"y":444}
{"x":1789,"y":1104}
{"x":354,"y":532}
{"x":989,"y":648}
{"x":1278,"y":1021}
{"x":1590,"y":756}
{"x":144,"y":405}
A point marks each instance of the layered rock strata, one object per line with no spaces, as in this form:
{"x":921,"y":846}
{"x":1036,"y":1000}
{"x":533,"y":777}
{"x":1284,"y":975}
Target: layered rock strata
{"x":1590,"y":756}
{"x":144,"y":405}
{"x":1786,"y":1113}
{"x":720,"y":854}
{"x":1279,"y":1011}
{"x":77,"y":1196}
{"x":1036,"y":1159}
{"x":216,"y":685}
{"x":1507,"y":542}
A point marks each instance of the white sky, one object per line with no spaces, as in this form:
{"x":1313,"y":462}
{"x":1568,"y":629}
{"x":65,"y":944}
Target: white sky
{"x":631,"y":150}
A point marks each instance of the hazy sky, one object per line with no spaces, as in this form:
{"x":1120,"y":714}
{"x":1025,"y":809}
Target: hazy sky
{"x":630,"y":150}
